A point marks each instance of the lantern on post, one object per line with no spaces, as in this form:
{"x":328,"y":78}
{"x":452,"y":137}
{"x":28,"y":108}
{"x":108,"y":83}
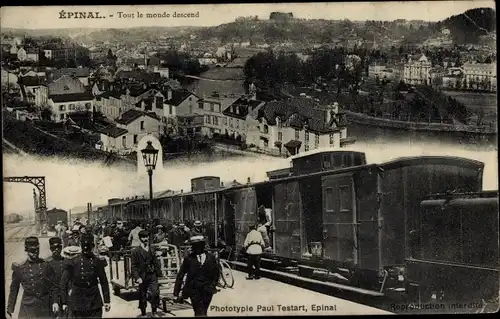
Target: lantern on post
{"x":150,"y":157}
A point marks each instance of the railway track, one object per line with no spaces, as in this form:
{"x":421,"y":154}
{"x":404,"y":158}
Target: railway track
{"x":15,"y":237}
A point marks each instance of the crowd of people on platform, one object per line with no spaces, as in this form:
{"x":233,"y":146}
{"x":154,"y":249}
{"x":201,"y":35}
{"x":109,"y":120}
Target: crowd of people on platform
{"x":68,"y":282}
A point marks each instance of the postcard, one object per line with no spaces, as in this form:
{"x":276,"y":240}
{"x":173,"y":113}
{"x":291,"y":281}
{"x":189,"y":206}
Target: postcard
{"x":250,"y":159}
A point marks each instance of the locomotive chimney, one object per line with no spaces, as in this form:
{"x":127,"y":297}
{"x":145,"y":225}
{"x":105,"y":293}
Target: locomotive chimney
{"x":248,"y":180}
{"x":182,"y":191}
{"x":221,"y":184}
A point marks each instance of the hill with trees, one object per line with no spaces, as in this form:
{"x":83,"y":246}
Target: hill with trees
{"x":469,"y":26}
{"x":465,"y":28}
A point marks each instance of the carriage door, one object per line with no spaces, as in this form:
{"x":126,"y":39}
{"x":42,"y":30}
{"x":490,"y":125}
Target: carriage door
{"x":339,"y":220}
{"x":287,"y":220}
{"x":245,"y":213}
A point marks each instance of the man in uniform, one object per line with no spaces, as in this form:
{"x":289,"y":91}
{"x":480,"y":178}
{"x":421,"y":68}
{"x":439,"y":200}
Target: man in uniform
{"x":56,"y":263}
{"x":202,"y":274}
{"x":145,"y":269}
{"x":34,"y":275}
{"x":85,"y":272}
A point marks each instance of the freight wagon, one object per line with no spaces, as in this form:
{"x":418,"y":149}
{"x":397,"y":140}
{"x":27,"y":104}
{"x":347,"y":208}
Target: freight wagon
{"x":330,"y":210}
{"x":13,"y":218}
{"x":54,"y":215}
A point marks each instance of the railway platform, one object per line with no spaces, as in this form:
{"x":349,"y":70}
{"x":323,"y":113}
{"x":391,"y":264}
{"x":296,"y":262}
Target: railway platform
{"x":247,"y":297}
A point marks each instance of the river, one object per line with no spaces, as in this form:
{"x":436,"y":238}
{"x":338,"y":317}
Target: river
{"x":381,"y":135}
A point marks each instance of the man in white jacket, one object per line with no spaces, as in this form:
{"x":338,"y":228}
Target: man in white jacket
{"x":254,"y":245}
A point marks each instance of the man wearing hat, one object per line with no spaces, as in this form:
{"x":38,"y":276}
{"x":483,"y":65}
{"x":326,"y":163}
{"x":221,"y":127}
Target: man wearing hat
{"x":202,"y":274}
{"x":85,"y":272}
{"x":159,"y":236}
{"x":145,"y":269}
{"x":56,"y":263}
{"x":198,"y":230}
{"x":66,"y":236}
{"x":34,"y":275}
{"x":74,"y":240}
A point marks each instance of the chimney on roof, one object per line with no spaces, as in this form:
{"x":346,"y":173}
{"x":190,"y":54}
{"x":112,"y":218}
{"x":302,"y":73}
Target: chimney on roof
{"x":169,"y":93}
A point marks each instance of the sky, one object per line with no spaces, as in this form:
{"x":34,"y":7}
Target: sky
{"x":210,"y":15}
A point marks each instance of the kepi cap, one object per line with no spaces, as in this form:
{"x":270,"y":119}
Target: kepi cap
{"x":197,"y":223}
{"x":55,"y":242}
{"x":143,"y":233}
{"x":87,"y":241}
{"x":31,"y":243}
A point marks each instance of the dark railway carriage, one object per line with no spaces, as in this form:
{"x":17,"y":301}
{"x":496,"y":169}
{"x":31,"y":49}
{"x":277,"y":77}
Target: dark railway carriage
{"x":326,"y":161}
{"x":138,"y":209}
{"x":169,"y":208}
{"x":55,"y":215}
{"x":455,"y":252}
{"x":116,"y":208}
{"x":330,"y":210}
{"x":355,"y":218}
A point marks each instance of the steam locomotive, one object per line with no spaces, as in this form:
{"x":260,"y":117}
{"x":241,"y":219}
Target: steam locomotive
{"x":421,"y":225}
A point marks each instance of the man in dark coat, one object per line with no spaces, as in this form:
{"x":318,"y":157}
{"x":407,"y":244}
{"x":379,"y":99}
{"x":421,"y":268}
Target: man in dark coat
{"x":34,"y":275}
{"x":202,"y":274}
{"x":85,"y":272}
{"x":75,"y":238}
{"x":145,"y":269}
{"x":56,"y":263}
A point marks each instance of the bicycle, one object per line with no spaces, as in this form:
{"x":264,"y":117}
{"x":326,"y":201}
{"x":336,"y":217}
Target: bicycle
{"x":226,"y":278}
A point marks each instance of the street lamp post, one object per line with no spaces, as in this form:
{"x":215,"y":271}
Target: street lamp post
{"x":150,"y":157}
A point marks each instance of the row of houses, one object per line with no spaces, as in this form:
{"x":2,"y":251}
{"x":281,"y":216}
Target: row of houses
{"x":419,"y":70}
{"x":138,"y":103}
{"x":285,"y":127}
{"x":50,"y":52}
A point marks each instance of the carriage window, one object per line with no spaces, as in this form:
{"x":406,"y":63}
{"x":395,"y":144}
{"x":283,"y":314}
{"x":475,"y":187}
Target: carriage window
{"x":345,"y":200}
{"x":348,"y":160}
{"x":326,"y":161}
{"x":329,"y":199}
{"x":357,"y":160}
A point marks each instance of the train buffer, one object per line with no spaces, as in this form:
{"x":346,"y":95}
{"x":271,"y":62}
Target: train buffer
{"x":121,"y":276}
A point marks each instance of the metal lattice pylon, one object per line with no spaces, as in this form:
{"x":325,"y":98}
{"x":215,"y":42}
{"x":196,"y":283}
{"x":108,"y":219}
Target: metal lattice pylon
{"x":39,"y":183}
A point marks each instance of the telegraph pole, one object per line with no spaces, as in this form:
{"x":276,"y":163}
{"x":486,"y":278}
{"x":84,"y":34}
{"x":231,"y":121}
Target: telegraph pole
{"x":35,"y":204}
{"x":89,"y":212}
